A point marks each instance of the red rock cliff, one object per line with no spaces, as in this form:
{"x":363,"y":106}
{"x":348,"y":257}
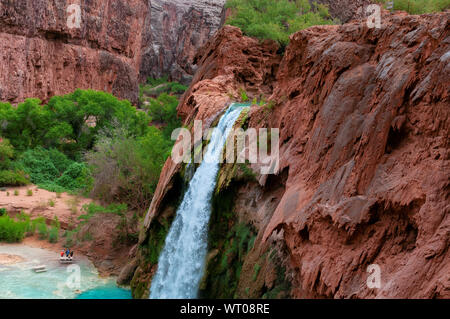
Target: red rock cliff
{"x":364,"y":156}
{"x":117,"y":44}
{"x":42,"y":56}
{"x":172,"y":33}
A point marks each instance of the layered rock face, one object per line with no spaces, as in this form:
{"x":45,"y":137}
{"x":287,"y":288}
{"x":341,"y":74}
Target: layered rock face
{"x":346,"y":10}
{"x":365,"y":138}
{"x":43,"y":56}
{"x":364,"y":161}
{"x":173,"y":31}
{"x":116,"y":44}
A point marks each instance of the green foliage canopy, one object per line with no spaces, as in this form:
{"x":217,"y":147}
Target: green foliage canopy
{"x":69,"y":122}
{"x":420,"y":6}
{"x":275,"y":19}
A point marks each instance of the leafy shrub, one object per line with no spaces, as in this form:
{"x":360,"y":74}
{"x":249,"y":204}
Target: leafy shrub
{"x":155,"y":87}
{"x":155,"y":82}
{"x":91,"y":209}
{"x":275,"y":19}
{"x":8,"y":175}
{"x":244,"y":96}
{"x":53,"y":235}
{"x":29,"y":192}
{"x":70,"y":238}
{"x":6,"y":153}
{"x":13,"y":178}
{"x":127,"y":169}
{"x":54,"y":171}
{"x":29,"y":229}
{"x":164,"y":110}
{"x":75,"y":177}
{"x":42,"y":230}
{"x":10,"y":230}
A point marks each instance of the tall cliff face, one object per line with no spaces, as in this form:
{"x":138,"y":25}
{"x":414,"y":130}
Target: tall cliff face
{"x":364,"y":164}
{"x":42,"y":56}
{"x":173,"y":31}
{"x":118,"y":43}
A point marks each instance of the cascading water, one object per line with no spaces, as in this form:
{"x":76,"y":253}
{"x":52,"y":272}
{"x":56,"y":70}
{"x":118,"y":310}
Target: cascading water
{"x":181,"y":263}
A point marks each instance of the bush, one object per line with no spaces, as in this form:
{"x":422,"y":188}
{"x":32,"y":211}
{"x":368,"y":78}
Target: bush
{"x":29,"y":229}
{"x":53,"y":235}
{"x":6,"y":154}
{"x":13,"y":178}
{"x":42,"y":230}
{"x":275,"y":19}
{"x":164,"y":109}
{"x":10,"y":230}
{"x":70,"y":239}
{"x":8,"y":175}
{"x":54,"y":171}
{"x":127,"y":169}
{"x":92,"y":209}
{"x":155,"y":82}
{"x":244,"y":96}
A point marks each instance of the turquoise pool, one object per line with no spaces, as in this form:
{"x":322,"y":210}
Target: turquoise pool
{"x":19,"y":281}
{"x":106,"y":292}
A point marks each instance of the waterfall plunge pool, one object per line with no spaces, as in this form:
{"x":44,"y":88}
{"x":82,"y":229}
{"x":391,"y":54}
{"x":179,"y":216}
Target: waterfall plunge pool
{"x":19,"y":281}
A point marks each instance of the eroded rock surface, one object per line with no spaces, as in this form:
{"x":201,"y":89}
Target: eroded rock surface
{"x":173,"y":31}
{"x":43,"y":56}
{"x":117,"y":44}
{"x":364,"y":158}
{"x":346,"y":10}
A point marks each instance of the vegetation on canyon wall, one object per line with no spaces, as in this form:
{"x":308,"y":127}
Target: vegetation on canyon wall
{"x":276,"y":19}
{"x":88,"y":142}
{"x":419,"y":6}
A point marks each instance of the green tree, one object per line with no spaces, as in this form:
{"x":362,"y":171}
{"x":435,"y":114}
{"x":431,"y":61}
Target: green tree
{"x":6,"y":154}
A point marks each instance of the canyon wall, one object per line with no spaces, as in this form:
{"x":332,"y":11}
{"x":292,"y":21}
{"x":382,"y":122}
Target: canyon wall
{"x":346,"y":10}
{"x":364,"y":165}
{"x":116,"y":44}
{"x":173,"y":31}
{"x":42,"y":56}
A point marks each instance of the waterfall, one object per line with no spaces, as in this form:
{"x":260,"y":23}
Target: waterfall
{"x":182,"y":260}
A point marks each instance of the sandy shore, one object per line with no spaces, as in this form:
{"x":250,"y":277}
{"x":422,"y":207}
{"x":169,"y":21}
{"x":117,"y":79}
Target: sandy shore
{"x":43,"y":203}
{"x":7,"y":259}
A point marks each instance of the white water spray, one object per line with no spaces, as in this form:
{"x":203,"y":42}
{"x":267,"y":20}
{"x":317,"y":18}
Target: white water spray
{"x":182,"y":260}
